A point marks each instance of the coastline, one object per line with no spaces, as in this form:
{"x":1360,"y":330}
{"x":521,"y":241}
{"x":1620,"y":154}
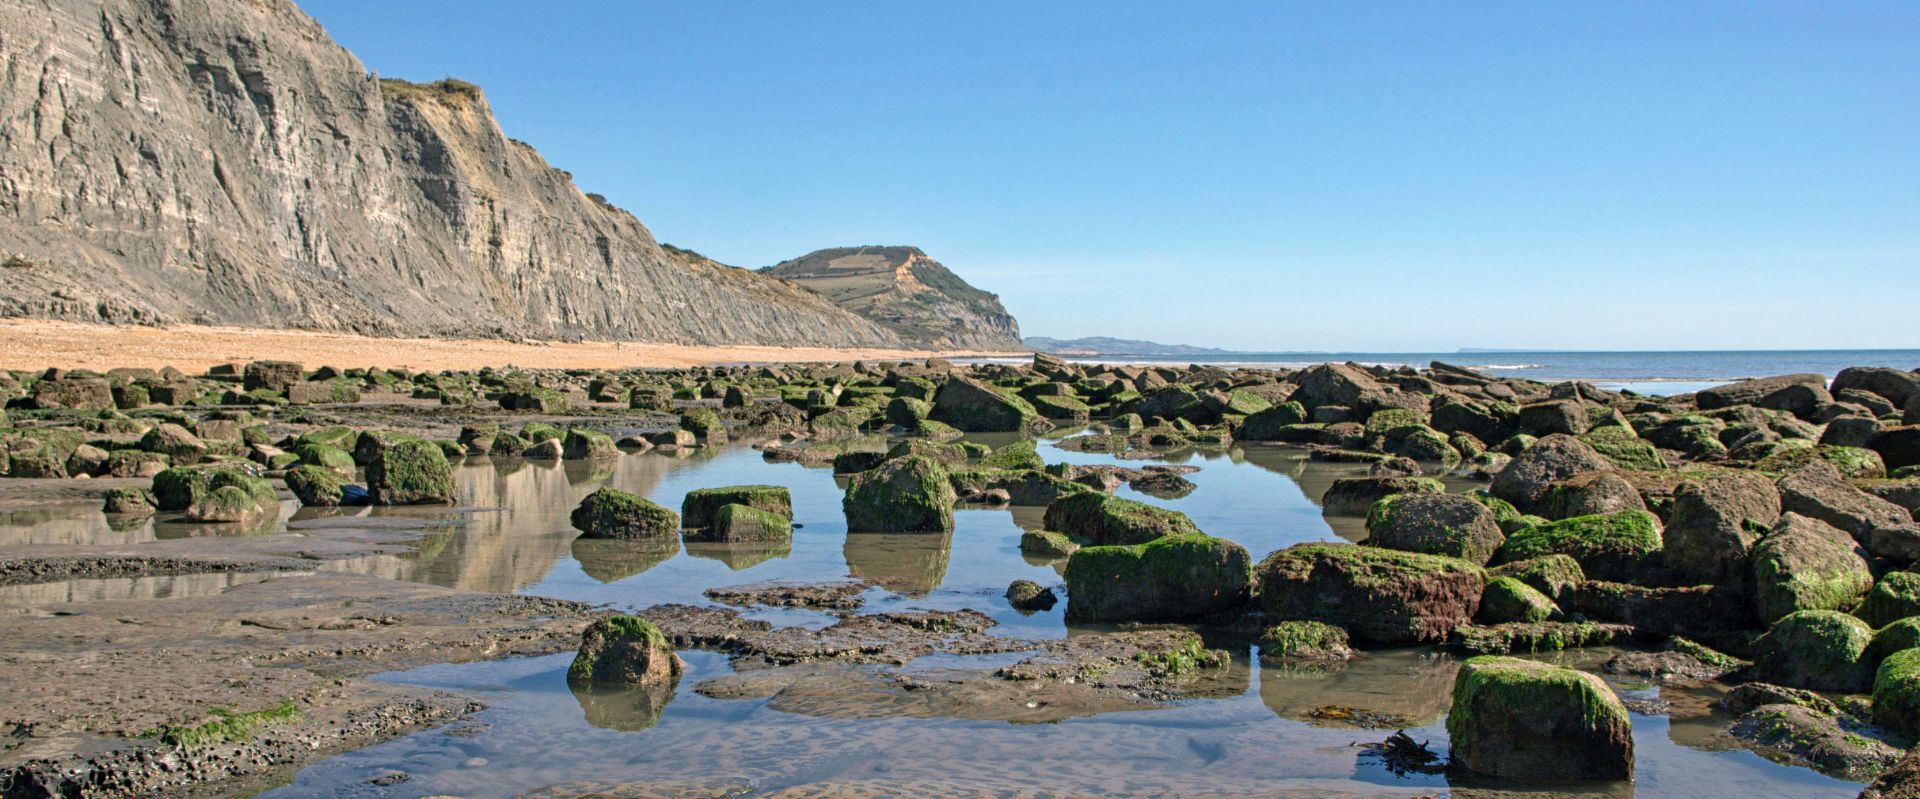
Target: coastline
{"x":37,"y":344}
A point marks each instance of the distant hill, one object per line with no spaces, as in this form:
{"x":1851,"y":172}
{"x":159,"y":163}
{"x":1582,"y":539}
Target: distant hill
{"x":1107,"y":345}
{"x":908,"y":293}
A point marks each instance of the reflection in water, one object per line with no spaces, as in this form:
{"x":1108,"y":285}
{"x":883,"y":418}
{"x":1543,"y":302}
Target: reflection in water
{"x":1412,"y":684}
{"x":624,"y":709}
{"x":912,"y":564}
{"x":740,"y":555}
{"x":110,"y":588}
{"x":612,"y":560}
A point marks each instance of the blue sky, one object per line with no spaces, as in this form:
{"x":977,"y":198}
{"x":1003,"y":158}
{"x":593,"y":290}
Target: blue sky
{"x":1338,"y":176}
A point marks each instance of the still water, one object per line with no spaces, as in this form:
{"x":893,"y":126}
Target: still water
{"x":540,"y":739}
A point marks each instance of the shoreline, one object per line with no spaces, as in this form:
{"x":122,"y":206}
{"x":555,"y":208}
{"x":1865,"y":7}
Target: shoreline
{"x":29,"y":344}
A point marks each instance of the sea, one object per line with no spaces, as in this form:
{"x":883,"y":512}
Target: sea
{"x":1648,"y":372}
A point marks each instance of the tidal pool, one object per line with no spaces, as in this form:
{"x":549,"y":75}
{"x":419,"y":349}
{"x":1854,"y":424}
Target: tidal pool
{"x":1258,"y":735}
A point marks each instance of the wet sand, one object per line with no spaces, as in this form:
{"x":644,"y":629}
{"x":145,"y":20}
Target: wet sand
{"x":34,"y":344}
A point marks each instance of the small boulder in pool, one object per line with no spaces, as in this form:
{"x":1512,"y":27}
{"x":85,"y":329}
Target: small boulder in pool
{"x":1525,"y":719}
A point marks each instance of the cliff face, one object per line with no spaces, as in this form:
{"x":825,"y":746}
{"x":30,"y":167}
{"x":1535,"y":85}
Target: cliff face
{"x":909,"y":294}
{"x":225,"y":162}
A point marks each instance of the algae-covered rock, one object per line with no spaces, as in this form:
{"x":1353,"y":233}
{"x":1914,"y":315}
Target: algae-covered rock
{"x":1379,"y":595}
{"x":974,"y":407}
{"x":1552,"y":575}
{"x":1623,"y":449}
{"x":625,"y":650}
{"x":179,"y":444}
{"x":701,"y":505}
{"x":1615,"y":546}
{"x":583,"y":444}
{"x":1714,"y":523}
{"x":1532,"y":637}
{"x":909,"y":494}
{"x":1047,"y":544}
{"x":1524,"y":719}
{"x":1303,"y":640}
{"x":612,"y":513}
{"x":178,"y":487}
{"x":1507,"y":599}
{"x":1436,"y":524}
{"x":325,"y":456}
{"x":232,"y":497}
{"x":1525,"y":480}
{"x":1355,"y":496}
{"x":1823,"y":739}
{"x":734,"y":523}
{"x":1029,"y":596}
{"x":1806,"y":565}
{"x":1896,"y":692}
{"x":317,"y":486}
{"x":1104,"y":519}
{"x":1179,"y":576}
{"x":1894,"y":597}
{"x":410,"y":472}
{"x":1590,"y":494}
{"x":129,"y":501}
{"x":1020,"y":454}
{"x":1817,"y":649}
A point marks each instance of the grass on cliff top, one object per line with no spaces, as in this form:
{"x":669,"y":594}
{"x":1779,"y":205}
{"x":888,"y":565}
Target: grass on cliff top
{"x":451,"y":92}
{"x":226,"y":726}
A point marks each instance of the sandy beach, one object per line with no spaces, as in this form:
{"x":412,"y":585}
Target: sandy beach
{"x":35,"y":344}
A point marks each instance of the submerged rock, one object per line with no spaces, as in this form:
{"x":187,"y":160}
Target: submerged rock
{"x":1027,"y":595}
{"x":1525,"y":719}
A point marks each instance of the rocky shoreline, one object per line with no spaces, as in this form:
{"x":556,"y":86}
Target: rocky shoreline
{"x":1756,"y":534}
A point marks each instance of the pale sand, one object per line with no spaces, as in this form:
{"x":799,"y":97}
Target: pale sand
{"x":35,"y":344}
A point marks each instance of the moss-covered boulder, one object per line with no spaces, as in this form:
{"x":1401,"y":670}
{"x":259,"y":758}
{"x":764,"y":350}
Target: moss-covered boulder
{"x":1715,"y":521}
{"x":1525,"y":480}
{"x":1524,"y":719}
{"x":179,"y":444}
{"x":1614,"y":546}
{"x":1822,"y":650}
{"x":177,"y":487}
{"x":129,"y":502}
{"x":317,"y":486}
{"x":626,"y":651}
{"x":734,"y":523}
{"x":910,"y":494}
{"x":1381,"y":596}
{"x":411,"y":472}
{"x":1804,"y":564}
{"x":1552,"y":575}
{"x":1895,"y":596}
{"x":1507,"y":599}
{"x":1436,"y":524}
{"x":1267,"y":425}
{"x":612,"y":513}
{"x":1623,"y":449}
{"x":582,"y":444}
{"x":1109,"y":520}
{"x":1047,"y":544}
{"x":1182,"y":576}
{"x":975,"y":407}
{"x":704,"y":424}
{"x":1896,"y":692}
{"x":1355,"y":496}
{"x":1590,"y":494}
{"x":1303,"y":640}
{"x":1028,"y":596}
{"x":1020,"y":454}
{"x":701,"y":507}
{"x":324,"y":456}
{"x":232,"y":497}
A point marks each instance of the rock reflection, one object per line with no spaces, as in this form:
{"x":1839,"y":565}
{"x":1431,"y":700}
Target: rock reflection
{"x":624,"y":709}
{"x":1414,"y":685}
{"x":612,"y":560}
{"x":741,"y":555}
{"x":910,"y":564}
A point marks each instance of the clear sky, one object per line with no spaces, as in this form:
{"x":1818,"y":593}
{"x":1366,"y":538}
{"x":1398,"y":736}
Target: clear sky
{"x":1265,"y":176}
